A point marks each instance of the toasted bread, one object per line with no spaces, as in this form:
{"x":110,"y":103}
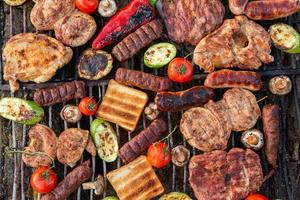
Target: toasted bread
{"x":122,"y":105}
{"x":137,"y":181}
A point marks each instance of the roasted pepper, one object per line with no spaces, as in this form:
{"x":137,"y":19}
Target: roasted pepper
{"x":131,"y":17}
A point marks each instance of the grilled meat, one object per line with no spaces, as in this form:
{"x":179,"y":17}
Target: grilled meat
{"x":60,"y":93}
{"x":45,"y":13}
{"x":219,"y":175}
{"x":143,"y":80}
{"x":239,"y":79}
{"x":33,"y":57}
{"x":136,"y":180}
{"x":188,"y":21}
{"x":239,"y":42}
{"x":41,"y":139}
{"x":137,"y":145}
{"x":76,"y":29}
{"x":134,"y":42}
{"x":71,"y":182}
{"x":94,"y":64}
{"x":181,"y":100}
{"x":270,"y":118}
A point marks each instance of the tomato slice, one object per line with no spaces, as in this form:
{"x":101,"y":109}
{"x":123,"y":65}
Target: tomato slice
{"x":256,"y":196}
{"x":88,"y":106}
{"x":159,"y":155}
{"x":180,"y":70}
{"x":43,"y":180}
{"x":87,"y":6}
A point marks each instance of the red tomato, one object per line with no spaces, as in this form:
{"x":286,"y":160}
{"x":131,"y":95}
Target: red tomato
{"x":159,"y":155}
{"x":43,"y":180}
{"x":88,"y":106}
{"x":87,"y":6}
{"x":180,"y":70}
{"x":256,"y":196}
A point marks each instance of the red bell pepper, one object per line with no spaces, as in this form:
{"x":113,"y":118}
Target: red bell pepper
{"x":131,"y":17}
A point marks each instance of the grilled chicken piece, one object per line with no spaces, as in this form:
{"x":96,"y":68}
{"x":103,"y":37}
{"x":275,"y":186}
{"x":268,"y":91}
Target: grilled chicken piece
{"x":41,"y":139}
{"x":45,"y":13}
{"x":76,"y":29}
{"x":219,"y":175}
{"x":33,"y":57}
{"x":71,"y":144}
{"x":239,"y":42}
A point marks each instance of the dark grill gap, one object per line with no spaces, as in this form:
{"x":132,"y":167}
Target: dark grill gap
{"x":15,"y":20}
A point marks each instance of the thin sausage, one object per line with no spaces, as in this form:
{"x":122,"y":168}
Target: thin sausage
{"x":270,"y":118}
{"x":237,"y":7}
{"x":177,"y":101}
{"x":229,"y":79}
{"x":142,"y":80}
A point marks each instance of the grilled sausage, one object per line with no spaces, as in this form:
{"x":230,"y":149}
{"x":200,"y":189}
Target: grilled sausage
{"x":142,"y":80}
{"x":269,"y":10}
{"x":228,"y":79}
{"x":60,"y":93}
{"x":71,"y":182}
{"x":143,"y":140}
{"x":237,"y":7}
{"x":177,"y":101}
{"x":270,"y":118}
{"x":137,"y":40}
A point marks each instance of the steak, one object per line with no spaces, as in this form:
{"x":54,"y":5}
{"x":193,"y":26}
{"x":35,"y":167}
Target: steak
{"x":219,"y":175}
{"x":188,"y":21}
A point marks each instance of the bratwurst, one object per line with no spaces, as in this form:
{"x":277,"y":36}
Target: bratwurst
{"x":177,"y":101}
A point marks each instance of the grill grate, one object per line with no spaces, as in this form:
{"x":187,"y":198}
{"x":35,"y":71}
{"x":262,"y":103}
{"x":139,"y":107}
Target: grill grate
{"x":173,"y":178}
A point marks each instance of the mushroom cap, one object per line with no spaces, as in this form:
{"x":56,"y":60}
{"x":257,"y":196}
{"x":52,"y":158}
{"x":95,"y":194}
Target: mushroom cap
{"x":70,"y":113}
{"x":253,"y":139}
{"x":180,"y":155}
{"x":280,"y":85}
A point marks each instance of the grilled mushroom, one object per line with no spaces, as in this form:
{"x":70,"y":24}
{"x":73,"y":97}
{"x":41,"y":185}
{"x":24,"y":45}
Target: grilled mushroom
{"x":107,"y":8}
{"x":151,"y":111}
{"x":253,"y":139}
{"x":94,"y":64}
{"x":280,"y":85}
{"x":70,"y":114}
{"x":180,"y":156}
{"x":97,"y":185}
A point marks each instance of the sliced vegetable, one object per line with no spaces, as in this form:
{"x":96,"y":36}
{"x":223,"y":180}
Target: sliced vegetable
{"x":14,"y":2}
{"x":159,"y":155}
{"x":256,"y":196}
{"x":175,"y":196}
{"x":97,"y":185}
{"x":105,"y":140}
{"x":107,"y":8}
{"x":280,"y":85}
{"x":285,"y":38}
{"x":70,"y":114}
{"x":159,"y":55}
{"x":20,"y":110}
{"x":88,"y":106}
{"x":180,"y":156}
{"x":111,"y":198}
{"x":43,"y":180}
{"x":87,"y":6}
{"x":180,"y":70}
{"x":253,"y":139}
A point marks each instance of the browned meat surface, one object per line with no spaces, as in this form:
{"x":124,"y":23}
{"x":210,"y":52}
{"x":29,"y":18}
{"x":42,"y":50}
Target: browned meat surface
{"x":76,"y":29}
{"x":219,"y":175}
{"x":270,"y":118}
{"x":239,"y":42}
{"x":41,"y":139}
{"x":46,"y":12}
{"x":137,"y":145}
{"x":90,"y":147}
{"x":71,"y":182}
{"x":60,"y":93}
{"x":188,"y":21}
{"x":142,"y":80}
{"x":134,"y":42}
{"x":181,"y":100}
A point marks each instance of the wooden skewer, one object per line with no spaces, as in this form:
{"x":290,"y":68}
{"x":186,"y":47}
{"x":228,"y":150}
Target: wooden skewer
{"x":262,"y":99}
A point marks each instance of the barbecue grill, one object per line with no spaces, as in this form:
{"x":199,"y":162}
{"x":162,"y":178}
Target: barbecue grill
{"x":14,"y":175}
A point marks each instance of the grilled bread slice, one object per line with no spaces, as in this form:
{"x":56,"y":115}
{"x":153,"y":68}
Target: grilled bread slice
{"x":122,"y":105}
{"x":137,"y":181}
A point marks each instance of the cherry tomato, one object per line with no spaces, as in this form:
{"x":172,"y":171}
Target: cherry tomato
{"x":256,"y":196}
{"x":88,"y":106}
{"x":87,"y":6}
{"x":180,"y":70}
{"x":43,"y":180}
{"x":159,"y":155}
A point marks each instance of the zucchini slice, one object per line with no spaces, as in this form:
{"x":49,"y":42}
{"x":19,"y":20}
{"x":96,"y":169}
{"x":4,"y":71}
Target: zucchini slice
{"x":14,"y":2}
{"x":159,"y":55}
{"x":175,"y":196}
{"x":110,"y":198}
{"x":21,"y":111}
